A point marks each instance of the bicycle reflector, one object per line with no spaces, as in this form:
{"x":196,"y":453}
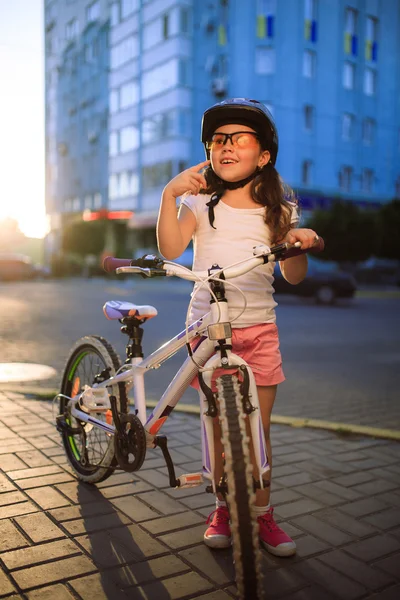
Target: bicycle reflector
{"x":219,"y":331}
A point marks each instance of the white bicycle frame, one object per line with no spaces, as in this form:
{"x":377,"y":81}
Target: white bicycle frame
{"x":204,"y":355}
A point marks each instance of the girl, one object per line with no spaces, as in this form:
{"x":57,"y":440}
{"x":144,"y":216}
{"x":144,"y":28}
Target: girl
{"x":239,"y":202}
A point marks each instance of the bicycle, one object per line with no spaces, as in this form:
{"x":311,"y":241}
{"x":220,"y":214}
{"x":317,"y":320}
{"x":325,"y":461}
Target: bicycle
{"x":99,"y":435}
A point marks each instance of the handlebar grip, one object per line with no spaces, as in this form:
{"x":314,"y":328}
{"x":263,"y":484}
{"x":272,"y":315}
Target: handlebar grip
{"x":110,"y":263}
{"x":318,"y":247}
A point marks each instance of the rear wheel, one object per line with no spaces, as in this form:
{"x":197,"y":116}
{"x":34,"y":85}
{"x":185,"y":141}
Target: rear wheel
{"x":90,"y":450}
{"x":241,"y":496}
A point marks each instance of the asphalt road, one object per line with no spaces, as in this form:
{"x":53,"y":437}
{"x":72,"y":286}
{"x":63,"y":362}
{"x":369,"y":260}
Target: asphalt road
{"x":342,"y":363}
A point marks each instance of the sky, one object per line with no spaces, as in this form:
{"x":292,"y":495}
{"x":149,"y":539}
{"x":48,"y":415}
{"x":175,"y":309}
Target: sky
{"x":22,"y":171}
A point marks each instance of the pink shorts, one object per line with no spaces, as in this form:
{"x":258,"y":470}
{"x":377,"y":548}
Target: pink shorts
{"x":259,"y":347}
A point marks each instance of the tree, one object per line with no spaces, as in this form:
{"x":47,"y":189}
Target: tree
{"x":84,"y":237}
{"x":350,"y":234}
{"x":389,"y":230}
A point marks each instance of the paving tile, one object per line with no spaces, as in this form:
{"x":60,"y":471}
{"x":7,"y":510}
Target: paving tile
{"x":373,"y":548}
{"x":6,"y":485}
{"x":52,"y":592}
{"x":366,"y":575}
{"x":9,"y":462}
{"x":96,"y":523}
{"x":69,"y":513}
{"x":174,"y":587}
{"x":172,"y":522}
{"x":390,"y":565}
{"x":126,"y":489}
{"x":12,"y":498}
{"x":322,"y":530}
{"x":140,"y":542}
{"x":161,"y":502}
{"x":361,"y":508}
{"x":217,"y":565}
{"x":308,"y":545}
{"x":10,"y":536}
{"x":334,"y":582}
{"x":40,"y":553}
{"x":6,"y":587}
{"x":47,"y":497}
{"x":184,"y":537}
{"x":298,"y":507}
{"x":387,"y":519}
{"x":53,"y":572}
{"x":34,"y":472}
{"x":39,"y":527}
{"x":99,"y":587}
{"x":33,"y":482}
{"x":13,"y":510}
{"x":134,"y":508}
{"x":151,"y":570}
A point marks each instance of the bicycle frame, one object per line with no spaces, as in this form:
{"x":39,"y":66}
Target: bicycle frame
{"x":205,"y":357}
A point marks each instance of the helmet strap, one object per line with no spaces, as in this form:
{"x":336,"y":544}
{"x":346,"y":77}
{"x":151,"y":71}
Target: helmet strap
{"x":227,"y":185}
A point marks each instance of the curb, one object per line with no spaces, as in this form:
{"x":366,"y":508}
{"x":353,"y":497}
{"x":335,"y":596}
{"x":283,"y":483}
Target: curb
{"x":336,"y":427}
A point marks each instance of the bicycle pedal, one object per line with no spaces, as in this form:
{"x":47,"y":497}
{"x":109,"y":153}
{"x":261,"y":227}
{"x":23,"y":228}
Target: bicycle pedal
{"x":189,"y":480}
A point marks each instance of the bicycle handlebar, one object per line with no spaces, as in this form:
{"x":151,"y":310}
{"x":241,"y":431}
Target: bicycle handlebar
{"x":151,"y":265}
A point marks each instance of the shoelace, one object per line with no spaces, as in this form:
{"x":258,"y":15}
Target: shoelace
{"x":269,"y":521}
{"x":222,"y":515}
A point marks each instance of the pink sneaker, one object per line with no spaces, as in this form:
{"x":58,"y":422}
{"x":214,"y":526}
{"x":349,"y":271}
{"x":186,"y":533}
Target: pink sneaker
{"x":273,"y":538}
{"x":218,"y":535}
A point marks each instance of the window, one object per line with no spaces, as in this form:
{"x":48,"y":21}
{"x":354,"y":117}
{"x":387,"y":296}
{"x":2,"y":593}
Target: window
{"x":367,"y":180}
{"x":161,"y":78}
{"x":129,"y":94}
{"x":128,"y":7}
{"x":113,"y":144}
{"x":115,"y":13}
{"x":93,"y":11}
{"x":87,"y":201}
{"x":347,"y":126}
{"x":350,"y":35}
{"x":165,"y":22}
{"x":129,"y":138}
{"x":368,"y":131}
{"x":71,"y":29}
{"x":309,"y":63}
{"x":397,"y":188}
{"x":184,"y":17}
{"x":157,"y":175}
{"x":345,"y":178}
{"x":308,"y":117}
{"x":97,"y":200}
{"x":161,"y":126}
{"x":306,"y":172}
{"x":369,"y":81}
{"x":124,"y":51}
{"x":371,"y":39}
{"x":265,"y":60}
{"x":310,"y":20}
{"x":114,"y":101}
{"x":349,"y":75}
{"x":266,"y":10}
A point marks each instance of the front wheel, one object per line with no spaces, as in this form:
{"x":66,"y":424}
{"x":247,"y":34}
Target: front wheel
{"x":240,"y":497}
{"x":90,"y":450}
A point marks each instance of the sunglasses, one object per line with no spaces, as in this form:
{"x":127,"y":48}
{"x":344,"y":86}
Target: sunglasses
{"x":238,"y":139}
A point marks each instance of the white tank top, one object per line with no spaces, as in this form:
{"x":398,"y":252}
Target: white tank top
{"x":237,"y":231}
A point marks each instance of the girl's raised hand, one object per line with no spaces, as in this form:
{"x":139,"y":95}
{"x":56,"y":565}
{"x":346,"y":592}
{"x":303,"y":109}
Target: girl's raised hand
{"x":190,"y":180}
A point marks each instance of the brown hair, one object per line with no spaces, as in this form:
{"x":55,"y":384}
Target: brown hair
{"x":267,"y":189}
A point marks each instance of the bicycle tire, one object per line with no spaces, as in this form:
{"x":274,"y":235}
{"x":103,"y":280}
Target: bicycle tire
{"x":240,"y":496}
{"x":101,"y":355}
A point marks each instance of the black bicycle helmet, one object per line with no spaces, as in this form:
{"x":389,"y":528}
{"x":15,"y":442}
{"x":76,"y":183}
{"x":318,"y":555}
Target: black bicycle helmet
{"x":252,"y":113}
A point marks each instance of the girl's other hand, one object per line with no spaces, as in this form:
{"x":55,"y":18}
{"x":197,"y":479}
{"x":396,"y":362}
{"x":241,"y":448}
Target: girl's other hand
{"x":307,"y":237}
{"x":190,"y":180}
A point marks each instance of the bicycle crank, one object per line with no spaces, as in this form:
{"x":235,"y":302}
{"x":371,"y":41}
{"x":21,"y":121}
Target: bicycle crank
{"x":130,"y":443}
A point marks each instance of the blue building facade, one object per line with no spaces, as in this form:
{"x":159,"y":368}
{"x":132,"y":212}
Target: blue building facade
{"x":329,"y":70}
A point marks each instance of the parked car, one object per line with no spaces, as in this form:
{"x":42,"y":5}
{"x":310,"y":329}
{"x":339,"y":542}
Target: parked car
{"x":15,"y":267}
{"x":324,"y":282}
{"x":375,"y":270}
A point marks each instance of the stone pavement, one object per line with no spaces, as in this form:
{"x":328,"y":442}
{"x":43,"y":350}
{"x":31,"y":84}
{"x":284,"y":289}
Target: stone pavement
{"x":134,"y":537}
